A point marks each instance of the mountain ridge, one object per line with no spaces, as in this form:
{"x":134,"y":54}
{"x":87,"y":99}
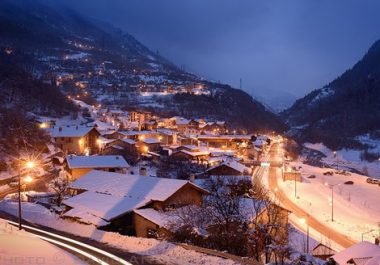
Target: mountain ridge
{"x":347,"y":107}
{"x":66,"y":42}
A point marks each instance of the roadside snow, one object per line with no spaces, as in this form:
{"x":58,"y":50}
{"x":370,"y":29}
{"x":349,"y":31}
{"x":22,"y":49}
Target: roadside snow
{"x":356,"y":207}
{"x":346,"y":159}
{"x":25,"y":248}
{"x":160,"y":251}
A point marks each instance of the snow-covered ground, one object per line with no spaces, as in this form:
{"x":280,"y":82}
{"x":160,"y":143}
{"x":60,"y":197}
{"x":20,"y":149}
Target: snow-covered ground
{"x":356,"y":207}
{"x":348,"y":158}
{"x":20,"y":247}
{"x":160,"y":251}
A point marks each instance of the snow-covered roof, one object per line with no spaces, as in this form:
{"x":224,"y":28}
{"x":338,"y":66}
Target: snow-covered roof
{"x":191,"y":147}
{"x":165,"y":131}
{"x":195,"y":153}
{"x":70,"y":131}
{"x":225,"y":136}
{"x":97,"y":161}
{"x":160,"y":218}
{"x":151,"y":141}
{"x":108,"y":195}
{"x":103,"y":206}
{"x":128,"y":141}
{"x":132,"y":133}
{"x":232,"y":164}
{"x":359,"y":251}
{"x":158,"y":189}
{"x":182,"y":121}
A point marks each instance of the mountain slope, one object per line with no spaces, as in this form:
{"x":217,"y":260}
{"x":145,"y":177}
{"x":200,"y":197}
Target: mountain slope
{"x":116,"y":68}
{"x":347,"y":107}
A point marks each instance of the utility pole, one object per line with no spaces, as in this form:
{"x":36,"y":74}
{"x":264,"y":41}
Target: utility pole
{"x":241,"y":83}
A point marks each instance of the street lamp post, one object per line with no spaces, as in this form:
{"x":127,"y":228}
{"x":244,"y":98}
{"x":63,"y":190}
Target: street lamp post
{"x":304,"y":221}
{"x":29,"y":165}
{"x":332,"y":199}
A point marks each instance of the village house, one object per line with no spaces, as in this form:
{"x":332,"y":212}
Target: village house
{"x":191,"y":153}
{"x":229,"y":168}
{"x":167,"y":136}
{"x":361,"y":253}
{"x":219,"y":128}
{"x":77,"y":166}
{"x":225,"y":141}
{"x":125,"y":147}
{"x":148,"y":145}
{"x":108,"y":200}
{"x":322,"y":251}
{"x":76,"y":139}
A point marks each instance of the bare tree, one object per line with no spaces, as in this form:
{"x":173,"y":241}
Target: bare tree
{"x":60,"y":185}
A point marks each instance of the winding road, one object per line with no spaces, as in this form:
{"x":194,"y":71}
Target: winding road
{"x":323,"y":229}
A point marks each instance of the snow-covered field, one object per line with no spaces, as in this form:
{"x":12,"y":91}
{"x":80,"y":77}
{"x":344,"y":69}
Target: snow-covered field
{"x":356,"y":207}
{"x":347,"y":158}
{"x":20,"y":247}
{"x":160,"y":251}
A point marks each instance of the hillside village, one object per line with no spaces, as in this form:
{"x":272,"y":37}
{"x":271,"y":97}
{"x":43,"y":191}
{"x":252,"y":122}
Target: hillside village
{"x":112,"y":152}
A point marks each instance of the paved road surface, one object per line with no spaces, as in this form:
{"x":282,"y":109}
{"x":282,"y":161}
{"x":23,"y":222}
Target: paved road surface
{"x":328,"y":232}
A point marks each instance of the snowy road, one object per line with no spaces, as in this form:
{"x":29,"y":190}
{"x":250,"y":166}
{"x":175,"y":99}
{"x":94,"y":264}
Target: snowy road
{"x":328,"y":232}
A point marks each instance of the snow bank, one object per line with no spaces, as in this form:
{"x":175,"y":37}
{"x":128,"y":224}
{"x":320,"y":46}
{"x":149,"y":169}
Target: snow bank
{"x":160,"y":251}
{"x":24,"y":248}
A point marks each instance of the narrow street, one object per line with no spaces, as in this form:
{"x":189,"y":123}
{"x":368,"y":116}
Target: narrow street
{"x":323,"y":229}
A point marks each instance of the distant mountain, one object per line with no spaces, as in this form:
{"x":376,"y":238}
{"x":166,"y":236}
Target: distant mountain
{"x":276,"y":100}
{"x":347,"y":107}
{"x":116,"y":68}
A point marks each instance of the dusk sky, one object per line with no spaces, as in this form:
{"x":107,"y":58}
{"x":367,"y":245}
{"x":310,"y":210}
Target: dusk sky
{"x":292,"y":46}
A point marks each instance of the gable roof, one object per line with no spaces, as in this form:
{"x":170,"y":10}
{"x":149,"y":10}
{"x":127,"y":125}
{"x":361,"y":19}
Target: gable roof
{"x":70,"y":131}
{"x":231,"y":164}
{"x":109,"y":195}
{"x":96,"y":161}
{"x":361,"y":250}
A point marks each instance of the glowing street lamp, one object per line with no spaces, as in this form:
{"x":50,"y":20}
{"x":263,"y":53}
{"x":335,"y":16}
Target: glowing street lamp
{"x":332,"y":198}
{"x":30,"y":164}
{"x":305,"y":222}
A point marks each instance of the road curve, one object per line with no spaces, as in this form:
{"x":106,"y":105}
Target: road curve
{"x":90,"y":251}
{"x":323,"y":229}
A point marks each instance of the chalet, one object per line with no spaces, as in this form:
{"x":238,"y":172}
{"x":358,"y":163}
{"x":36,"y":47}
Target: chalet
{"x":191,"y":153}
{"x":139,"y":135}
{"x":128,"y":147}
{"x":148,"y":145}
{"x":322,"y":251}
{"x":218,"y":127}
{"x":225,"y":141}
{"x":149,"y":125}
{"x":77,"y":166}
{"x":183,"y":124}
{"x":361,"y":253}
{"x":108,"y":200}
{"x":167,"y":137}
{"x":229,"y":168}
{"x":76,"y":139}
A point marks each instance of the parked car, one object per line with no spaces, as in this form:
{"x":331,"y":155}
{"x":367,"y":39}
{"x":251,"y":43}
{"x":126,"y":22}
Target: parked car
{"x":375,"y":181}
{"x":328,"y":173}
{"x":369,"y":180}
{"x":311,"y":177}
{"x":350,"y":182}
